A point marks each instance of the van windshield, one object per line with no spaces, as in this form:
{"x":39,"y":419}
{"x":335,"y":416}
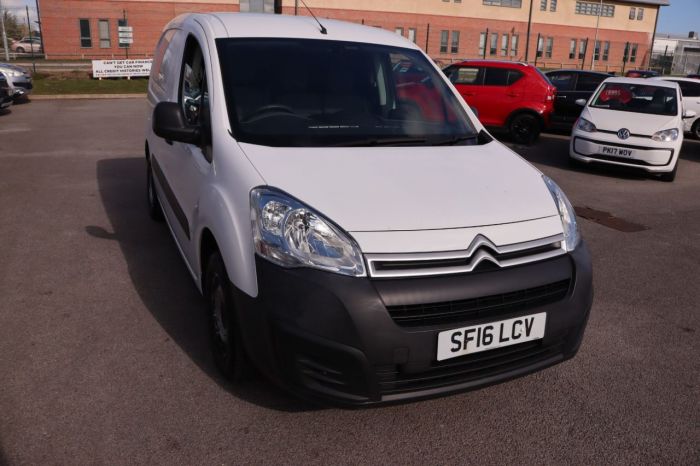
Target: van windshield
{"x":316,"y":93}
{"x":638,"y":98}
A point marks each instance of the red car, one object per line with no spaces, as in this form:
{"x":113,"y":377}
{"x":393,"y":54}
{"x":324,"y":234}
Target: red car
{"x":510,"y":95}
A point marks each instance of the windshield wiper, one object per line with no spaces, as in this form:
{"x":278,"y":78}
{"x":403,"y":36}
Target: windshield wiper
{"x":481,"y":138}
{"x":380,"y":142}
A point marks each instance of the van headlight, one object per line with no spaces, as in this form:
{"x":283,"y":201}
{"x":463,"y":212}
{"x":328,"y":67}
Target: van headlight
{"x":572,"y":237}
{"x":291,"y":234}
{"x":585,"y":125}
{"x":666,"y":135}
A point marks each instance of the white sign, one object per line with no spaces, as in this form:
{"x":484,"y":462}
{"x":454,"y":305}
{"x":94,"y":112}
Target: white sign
{"x":125,"y":29}
{"x":125,"y":40}
{"x":121,"y":68}
{"x":126,"y":34}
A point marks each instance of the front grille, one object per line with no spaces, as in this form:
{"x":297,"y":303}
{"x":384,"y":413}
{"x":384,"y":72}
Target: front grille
{"x":467,"y":368}
{"x":482,"y":253}
{"x":409,"y":315}
{"x":23,"y":85}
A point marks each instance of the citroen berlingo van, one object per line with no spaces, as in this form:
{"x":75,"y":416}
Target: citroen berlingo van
{"x":357,"y":235}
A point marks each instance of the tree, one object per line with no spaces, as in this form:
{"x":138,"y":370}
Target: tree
{"x":14,"y":27}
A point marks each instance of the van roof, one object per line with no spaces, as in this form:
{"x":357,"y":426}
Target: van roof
{"x":260,"y":25}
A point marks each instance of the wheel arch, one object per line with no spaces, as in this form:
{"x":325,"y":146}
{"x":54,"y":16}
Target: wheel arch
{"x":526,"y":111}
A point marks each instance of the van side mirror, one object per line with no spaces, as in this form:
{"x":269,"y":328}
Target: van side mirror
{"x":689,"y":114}
{"x":581,"y":102}
{"x":169,"y":123}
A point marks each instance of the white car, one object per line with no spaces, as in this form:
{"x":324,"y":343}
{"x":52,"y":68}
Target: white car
{"x":632,"y":122}
{"x":357,"y":234}
{"x":690,"y":92}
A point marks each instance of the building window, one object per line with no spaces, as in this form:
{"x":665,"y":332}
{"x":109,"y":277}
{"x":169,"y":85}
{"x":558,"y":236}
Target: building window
{"x":103,"y":30}
{"x":640,"y":14}
{"x":454,"y":48}
{"x":412,"y":35}
{"x":606,"y":50}
{"x":594,"y":9}
{"x":494,"y":44}
{"x":504,"y":45}
{"x":543,"y":5}
{"x":482,"y":44}
{"x":633,"y":53}
{"x":399,"y":31}
{"x":507,"y":3}
{"x":596,"y":50}
{"x":540,"y":46}
{"x":582,"y":47}
{"x":548,"y":49}
{"x":633,"y":13}
{"x":553,"y":5}
{"x":444,"y":36}
{"x":514,"y":45}
{"x":85,"y":39}
{"x":572,"y":49}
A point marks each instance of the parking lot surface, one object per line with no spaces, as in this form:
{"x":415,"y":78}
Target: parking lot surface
{"x":104,"y":355}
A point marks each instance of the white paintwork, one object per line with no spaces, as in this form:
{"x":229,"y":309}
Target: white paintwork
{"x":408,"y":199}
{"x":641,"y":125}
{"x":689,"y":102}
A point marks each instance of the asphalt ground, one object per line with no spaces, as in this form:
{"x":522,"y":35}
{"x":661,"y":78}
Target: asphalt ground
{"x":103,"y":347}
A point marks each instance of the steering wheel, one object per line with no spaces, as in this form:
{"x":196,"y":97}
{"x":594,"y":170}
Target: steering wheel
{"x":272,"y":108}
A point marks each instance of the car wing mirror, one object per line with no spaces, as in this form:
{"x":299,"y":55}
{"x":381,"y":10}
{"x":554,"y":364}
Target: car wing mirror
{"x":170,"y":124}
{"x":690,"y":114}
{"x":581,"y":102}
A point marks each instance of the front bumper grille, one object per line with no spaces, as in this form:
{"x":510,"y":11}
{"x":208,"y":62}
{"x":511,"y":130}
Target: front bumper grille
{"x":24,"y":85}
{"x":468,"y":368}
{"x":409,"y":315}
{"x":481,"y":252}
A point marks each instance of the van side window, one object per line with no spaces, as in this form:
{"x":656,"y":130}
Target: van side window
{"x":193,"y":83}
{"x":161,"y":57}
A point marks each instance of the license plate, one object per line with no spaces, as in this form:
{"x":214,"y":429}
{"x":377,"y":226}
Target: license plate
{"x":484,"y":337}
{"x":616,"y":151}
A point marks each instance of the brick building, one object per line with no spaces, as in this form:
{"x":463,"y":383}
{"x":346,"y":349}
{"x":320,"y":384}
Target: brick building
{"x":563,"y":33}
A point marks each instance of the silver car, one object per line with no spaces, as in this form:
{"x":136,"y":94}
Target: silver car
{"x":18,"y":78}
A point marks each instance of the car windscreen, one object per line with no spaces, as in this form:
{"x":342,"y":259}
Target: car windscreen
{"x":315,"y":93}
{"x":655,"y":100}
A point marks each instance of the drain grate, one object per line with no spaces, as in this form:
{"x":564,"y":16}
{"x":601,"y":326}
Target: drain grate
{"x":609,"y":220}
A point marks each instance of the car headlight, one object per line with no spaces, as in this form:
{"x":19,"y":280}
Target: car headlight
{"x":666,"y":135}
{"x":572,"y":237}
{"x":585,"y":125}
{"x":291,"y":234}
{"x":14,"y":73}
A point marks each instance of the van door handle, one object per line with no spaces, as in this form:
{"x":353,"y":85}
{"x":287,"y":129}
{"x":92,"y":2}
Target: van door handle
{"x":468,"y":93}
{"x":513,"y":94}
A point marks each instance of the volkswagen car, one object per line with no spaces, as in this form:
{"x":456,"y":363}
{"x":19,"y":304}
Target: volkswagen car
{"x":632,"y":122}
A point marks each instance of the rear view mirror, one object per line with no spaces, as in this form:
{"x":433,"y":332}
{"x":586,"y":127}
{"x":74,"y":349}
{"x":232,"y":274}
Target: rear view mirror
{"x":689,"y":114}
{"x":581,"y":102}
{"x":169,"y":123}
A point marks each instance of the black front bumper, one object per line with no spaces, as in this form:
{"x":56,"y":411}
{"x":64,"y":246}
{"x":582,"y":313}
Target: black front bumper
{"x":346,"y":341}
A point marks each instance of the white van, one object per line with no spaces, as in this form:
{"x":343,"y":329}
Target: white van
{"x":357,"y":234}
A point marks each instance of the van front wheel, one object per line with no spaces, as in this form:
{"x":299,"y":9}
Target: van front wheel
{"x":224,"y":333}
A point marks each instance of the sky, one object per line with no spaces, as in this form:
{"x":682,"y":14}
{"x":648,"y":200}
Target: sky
{"x":679,"y":18}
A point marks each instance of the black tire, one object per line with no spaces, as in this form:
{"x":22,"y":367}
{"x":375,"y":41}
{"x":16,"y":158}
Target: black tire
{"x":670,"y":176}
{"x":224,"y":333}
{"x":19,"y":50}
{"x":155,"y":211}
{"x":696,"y":129}
{"x":524,"y":128}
